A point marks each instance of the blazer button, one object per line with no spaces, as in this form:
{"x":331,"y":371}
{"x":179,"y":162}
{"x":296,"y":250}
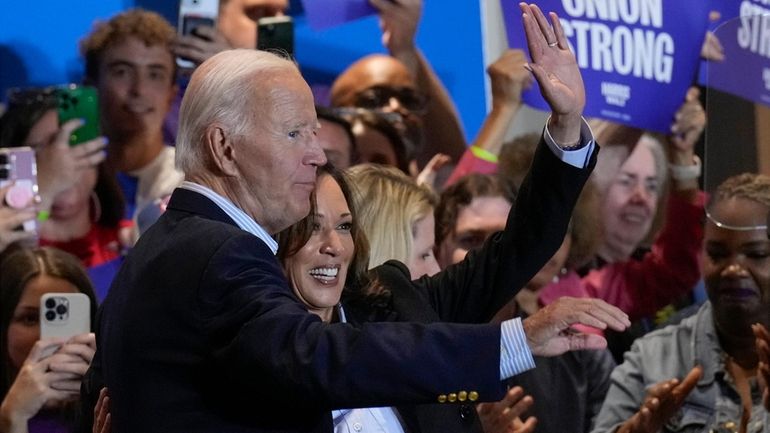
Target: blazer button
{"x":462,"y":395}
{"x":466,"y":411}
{"x":473,"y":396}
{"x":442,"y":398}
{"x":452,"y":397}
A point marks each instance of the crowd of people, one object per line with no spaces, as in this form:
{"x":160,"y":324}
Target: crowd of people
{"x":261,"y":263}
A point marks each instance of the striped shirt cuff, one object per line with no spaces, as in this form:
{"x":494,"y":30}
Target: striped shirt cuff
{"x":515,"y":356}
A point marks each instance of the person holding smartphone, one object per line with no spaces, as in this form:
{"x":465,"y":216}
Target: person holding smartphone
{"x":236,"y":28}
{"x":81,"y":207}
{"x":39,"y":391}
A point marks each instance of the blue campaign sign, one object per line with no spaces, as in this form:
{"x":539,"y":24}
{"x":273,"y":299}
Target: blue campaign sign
{"x":745,"y":72}
{"x":637,"y":57}
{"x":322,"y":14}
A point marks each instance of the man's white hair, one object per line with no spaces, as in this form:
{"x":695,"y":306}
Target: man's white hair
{"x":223,"y":90}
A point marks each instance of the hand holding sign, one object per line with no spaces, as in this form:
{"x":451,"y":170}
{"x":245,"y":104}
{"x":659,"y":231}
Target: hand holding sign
{"x":556,"y":71}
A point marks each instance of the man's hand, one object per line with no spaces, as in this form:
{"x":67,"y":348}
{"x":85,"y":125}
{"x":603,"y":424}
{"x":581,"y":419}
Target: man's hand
{"x":763,"y":369}
{"x":504,"y":416}
{"x":557,"y":73}
{"x":399,"y":20}
{"x":200,"y":46}
{"x":663,"y":401}
{"x":509,"y":78}
{"x":549,"y":331}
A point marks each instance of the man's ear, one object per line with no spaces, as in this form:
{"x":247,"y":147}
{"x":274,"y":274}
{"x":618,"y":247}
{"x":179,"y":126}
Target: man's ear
{"x":221,"y":150}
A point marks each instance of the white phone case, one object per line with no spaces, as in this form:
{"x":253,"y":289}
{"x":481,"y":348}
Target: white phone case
{"x":64,"y":315}
{"x":191,"y":14}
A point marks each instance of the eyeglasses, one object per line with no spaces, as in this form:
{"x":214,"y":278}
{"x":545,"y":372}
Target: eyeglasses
{"x":378,"y":97}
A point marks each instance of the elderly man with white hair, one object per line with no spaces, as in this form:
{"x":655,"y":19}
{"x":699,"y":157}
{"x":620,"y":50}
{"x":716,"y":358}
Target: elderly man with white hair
{"x":201,"y":332}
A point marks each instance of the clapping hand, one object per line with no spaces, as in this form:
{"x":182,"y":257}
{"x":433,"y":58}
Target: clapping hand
{"x":504,"y":416}
{"x":663,"y":401}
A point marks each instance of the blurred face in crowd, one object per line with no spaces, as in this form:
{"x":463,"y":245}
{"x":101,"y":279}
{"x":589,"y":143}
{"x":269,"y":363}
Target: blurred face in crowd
{"x":380,"y":82}
{"x":629,"y":205}
{"x":70,"y":202}
{"x":24,"y":328}
{"x":736,"y":265}
{"x":475,"y":223}
{"x":374,"y":146}
{"x":277,"y":160}
{"x":335,"y":142}
{"x":552,"y":268}
{"x":238,"y":19}
{"x":317,"y":272}
{"x":422,"y":261}
{"x":136,"y":87}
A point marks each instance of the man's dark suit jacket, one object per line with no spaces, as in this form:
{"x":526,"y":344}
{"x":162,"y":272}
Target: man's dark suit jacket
{"x":201,"y":333}
{"x":473,"y":290}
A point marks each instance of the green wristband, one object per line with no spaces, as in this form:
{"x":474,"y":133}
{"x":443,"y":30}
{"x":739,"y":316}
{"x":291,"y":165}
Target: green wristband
{"x":484,"y":154}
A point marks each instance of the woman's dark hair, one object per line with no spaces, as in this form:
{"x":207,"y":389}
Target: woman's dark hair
{"x":17,"y":269}
{"x":292,"y":239}
{"x":23,"y":113}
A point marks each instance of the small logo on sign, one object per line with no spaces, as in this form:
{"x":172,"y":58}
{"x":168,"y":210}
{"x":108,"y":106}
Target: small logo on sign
{"x":616,"y":94}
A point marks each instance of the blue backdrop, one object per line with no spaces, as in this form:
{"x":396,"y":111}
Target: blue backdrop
{"x":38,"y":45}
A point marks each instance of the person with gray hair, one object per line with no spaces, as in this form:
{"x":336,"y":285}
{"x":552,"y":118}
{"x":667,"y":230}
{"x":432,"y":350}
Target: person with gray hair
{"x":201,"y":332}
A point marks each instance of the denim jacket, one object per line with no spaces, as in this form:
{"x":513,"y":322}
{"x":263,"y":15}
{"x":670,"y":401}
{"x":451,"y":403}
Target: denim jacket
{"x":714,"y":404}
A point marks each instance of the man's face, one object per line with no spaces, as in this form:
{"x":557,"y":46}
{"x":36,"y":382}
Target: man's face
{"x":475,"y":223}
{"x":335,"y":142}
{"x":136,"y":87}
{"x":381,"y":83}
{"x":238,"y":19}
{"x":631,"y":201}
{"x":277,"y":160}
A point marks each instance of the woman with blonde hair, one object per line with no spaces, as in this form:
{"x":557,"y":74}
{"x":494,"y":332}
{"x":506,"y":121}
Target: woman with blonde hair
{"x":397,"y":216}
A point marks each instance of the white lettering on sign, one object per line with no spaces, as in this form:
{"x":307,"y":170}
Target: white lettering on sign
{"x":754,"y":32}
{"x":623,"y":50}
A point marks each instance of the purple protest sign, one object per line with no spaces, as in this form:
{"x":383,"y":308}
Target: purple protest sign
{"x":637,"y":57}
{"x":745,"y":72}
{"x":322,"y":14}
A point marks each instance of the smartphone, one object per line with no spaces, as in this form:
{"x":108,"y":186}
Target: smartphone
{"x":276,"y":34}
{"x":64,"y":315}
{"x":79,"y":102}
{"x":192,"y":14}
{"x":18,"y":168}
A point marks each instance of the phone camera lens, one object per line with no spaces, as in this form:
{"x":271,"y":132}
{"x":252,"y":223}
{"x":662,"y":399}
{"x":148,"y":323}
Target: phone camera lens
{"x":50,"y":316}
{"x":61,"y":309}
{"x":50,"y":303}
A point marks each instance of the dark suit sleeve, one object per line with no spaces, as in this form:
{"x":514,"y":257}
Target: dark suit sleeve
{"x":473,"y":290}
{"x":263,"y":339}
